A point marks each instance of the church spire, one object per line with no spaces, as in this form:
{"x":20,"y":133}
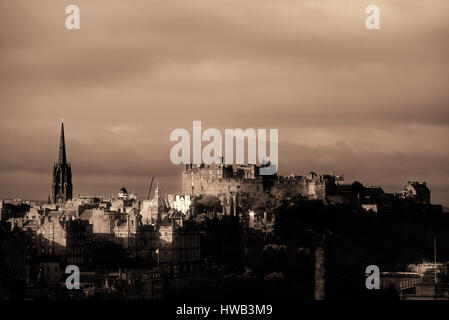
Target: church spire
{"x":62,"y":188}
{"x":62,"y":155}
{"x":156,"y":193}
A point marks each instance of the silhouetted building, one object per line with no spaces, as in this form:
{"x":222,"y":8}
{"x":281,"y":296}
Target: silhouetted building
{"x":418,"y":192}
{"x":320,"y":273}
{"x":62,"y":188}
{"x":12,"y":264}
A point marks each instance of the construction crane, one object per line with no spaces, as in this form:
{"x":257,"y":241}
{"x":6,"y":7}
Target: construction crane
{"x":149,"y":191}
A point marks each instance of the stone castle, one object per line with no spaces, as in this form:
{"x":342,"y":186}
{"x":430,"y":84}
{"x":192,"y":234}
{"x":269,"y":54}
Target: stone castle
{"x":227,"y":181}
{"x":219,"y":179}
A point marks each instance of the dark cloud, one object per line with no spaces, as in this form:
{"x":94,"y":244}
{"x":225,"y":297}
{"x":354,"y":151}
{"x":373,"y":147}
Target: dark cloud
{"x":371,"y":105}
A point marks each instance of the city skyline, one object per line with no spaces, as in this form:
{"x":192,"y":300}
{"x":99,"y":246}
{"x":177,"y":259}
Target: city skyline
{"x":369,"y":105}
{"x":63,"y":164}
{"x":224,"y":157}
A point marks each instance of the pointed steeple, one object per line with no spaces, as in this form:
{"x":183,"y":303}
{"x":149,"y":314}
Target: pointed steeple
{"x":156,"y":192}
{"x":62,"y":156}
{"x":62,"y":187}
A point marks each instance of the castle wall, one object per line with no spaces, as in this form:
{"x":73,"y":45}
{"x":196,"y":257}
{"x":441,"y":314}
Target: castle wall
{"x":205,"y":181}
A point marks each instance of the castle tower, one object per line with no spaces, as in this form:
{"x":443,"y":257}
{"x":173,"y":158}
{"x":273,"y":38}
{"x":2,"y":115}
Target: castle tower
{"x":61,"y":189}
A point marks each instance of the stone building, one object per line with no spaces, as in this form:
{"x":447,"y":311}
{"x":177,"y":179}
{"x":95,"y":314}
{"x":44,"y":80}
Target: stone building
{"x":418,"y":192}
{"x":51,"y":235}
{"x":179,"y":246}
{"x":124,"y":205}
{"x":219,"y":180}
{"x":123,"y":194}
{"x":61,"y":189}
{"x":123,"y":228}
{"x":103,"y":222}
{"x":126,"y":231}
{"x":79,"y":242}
{"x":65,"y":237}
{"x":152,"y":210}
{"x":13,"y":209}
{"x":180,"y":202}
{"x":174,"y":244}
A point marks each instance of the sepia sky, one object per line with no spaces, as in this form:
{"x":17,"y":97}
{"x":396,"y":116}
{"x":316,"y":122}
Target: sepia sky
{"x":372,"y":105}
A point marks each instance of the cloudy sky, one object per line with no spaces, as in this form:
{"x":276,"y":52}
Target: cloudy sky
{"x":372,"y":105}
